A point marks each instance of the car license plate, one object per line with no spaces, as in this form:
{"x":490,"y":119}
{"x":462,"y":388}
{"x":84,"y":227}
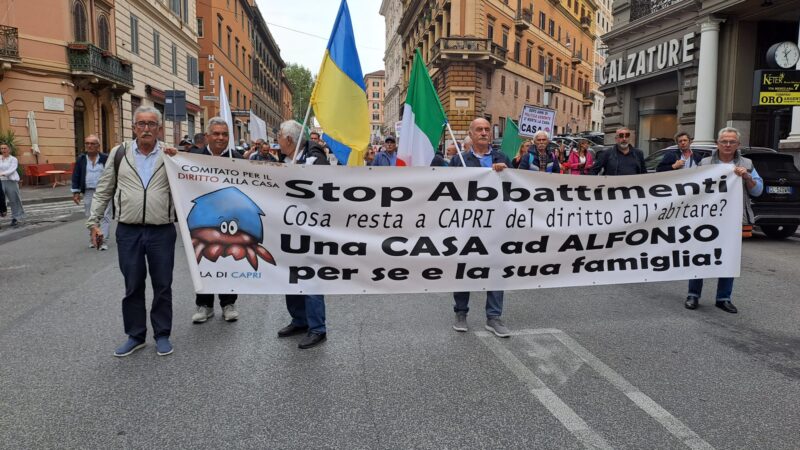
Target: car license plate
{"x":779,"y":189}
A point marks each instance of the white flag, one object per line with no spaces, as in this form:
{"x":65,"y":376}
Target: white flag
{"x":225,"y":113}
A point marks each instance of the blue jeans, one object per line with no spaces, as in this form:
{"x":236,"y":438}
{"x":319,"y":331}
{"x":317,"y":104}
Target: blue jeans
{"x":494,"y":303}
{"x":724,"y":288}
{"x":143,"y":249}
{"x":307,"y":311}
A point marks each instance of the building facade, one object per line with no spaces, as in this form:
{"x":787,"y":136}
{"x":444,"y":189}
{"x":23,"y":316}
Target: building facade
{"x":267,"y":73}
{"x":287,"y":111}
{"x":160,"y":40}
{"x":224,"y":31}
{"x":68,"y":74}
{"x":488,"y":58}
{"x":392,"y":11}
{"x":694,"y":69}
{"x":604,"y":20}
{"x":376,"y":84}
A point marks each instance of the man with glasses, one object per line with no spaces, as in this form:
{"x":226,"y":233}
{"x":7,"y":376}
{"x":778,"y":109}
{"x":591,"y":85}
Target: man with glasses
{"x":217,"y":134}
{"x":727,"y":152}
{"x":622,"y":158}
{"x":136,"y":181}
{"x":87,"y":173}
{"x":682,"y":157}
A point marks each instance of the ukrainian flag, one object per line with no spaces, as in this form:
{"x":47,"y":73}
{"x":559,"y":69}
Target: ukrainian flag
{"x":339,"y":98}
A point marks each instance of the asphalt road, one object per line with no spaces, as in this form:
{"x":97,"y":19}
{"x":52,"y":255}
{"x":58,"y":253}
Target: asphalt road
{"x":621,"y":366}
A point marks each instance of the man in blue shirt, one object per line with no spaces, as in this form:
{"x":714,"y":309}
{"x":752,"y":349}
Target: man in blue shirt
{"x":481,"y":155}
{"x":387,"y":156}
{"x":87,"y":173}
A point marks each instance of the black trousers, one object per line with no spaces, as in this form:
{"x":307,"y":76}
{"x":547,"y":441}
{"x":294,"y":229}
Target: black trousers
{"x":208,"y":300}
{"x":3,"y":209}
{"x":143,"y":249}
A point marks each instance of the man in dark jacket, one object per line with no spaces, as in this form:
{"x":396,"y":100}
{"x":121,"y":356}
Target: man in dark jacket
{"x":217,"y":138}
{"x":85,"y":176}
{"x":542,"y":157}
{"x":307,"y":311}
{"x":682,"y":157}
{"x":622,"y":158}
{"x":481,"y":155}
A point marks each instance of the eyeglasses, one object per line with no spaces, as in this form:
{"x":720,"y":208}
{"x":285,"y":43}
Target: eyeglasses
{"x":91,"y":143}
{"x":728,"y":142}
{"x":623,"y":135}
{"x":143,"y":124}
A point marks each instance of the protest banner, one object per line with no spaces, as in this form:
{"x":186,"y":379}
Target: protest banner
{"x":533,"y":118}
{"x":256,"y":228}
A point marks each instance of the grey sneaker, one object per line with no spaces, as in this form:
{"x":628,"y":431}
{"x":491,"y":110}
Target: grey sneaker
{"x":495,"y":325}
{"x":461,"y":322}
{"x":203,"y":313}
{"x":229,"y":313}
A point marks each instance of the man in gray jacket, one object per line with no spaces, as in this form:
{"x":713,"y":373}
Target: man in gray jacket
{"x":727,"y":152}
{"x":136,"y":181}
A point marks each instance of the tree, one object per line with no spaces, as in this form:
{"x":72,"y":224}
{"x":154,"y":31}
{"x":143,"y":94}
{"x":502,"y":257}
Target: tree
{"x":301,"y":82}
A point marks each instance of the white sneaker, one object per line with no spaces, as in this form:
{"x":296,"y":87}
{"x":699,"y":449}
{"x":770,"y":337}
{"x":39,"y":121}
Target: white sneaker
{"x":103,"y":247}
{"x":203,"y":313}
{"x":229,"y":313}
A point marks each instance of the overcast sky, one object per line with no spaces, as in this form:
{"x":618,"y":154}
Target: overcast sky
{"x":302,"y":28}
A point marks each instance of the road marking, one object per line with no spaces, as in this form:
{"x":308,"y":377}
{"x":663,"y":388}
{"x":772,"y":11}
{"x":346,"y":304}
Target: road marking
{"x":672,"y":424}
{"x":571,"y":421}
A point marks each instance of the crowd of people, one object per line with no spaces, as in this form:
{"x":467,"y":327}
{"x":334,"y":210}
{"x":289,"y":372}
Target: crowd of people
{"x":132,"y":174}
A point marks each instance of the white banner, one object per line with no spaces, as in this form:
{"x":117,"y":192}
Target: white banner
{"x":258,"y":128}
{"x":250,"y":227}
{"x":533,"y":118}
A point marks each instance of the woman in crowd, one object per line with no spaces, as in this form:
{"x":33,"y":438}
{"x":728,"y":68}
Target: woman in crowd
{"x":522,"y":152}
{"x":580,"y":160}
{"x":10,"y":182}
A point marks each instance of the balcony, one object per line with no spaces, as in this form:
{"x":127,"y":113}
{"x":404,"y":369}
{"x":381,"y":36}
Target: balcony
{"x":588,"y":99}
{"x":643,"y":8}
{"x":9,"y":47}
{"x":552,"y":83}
{"x":586,"y":23}
{"x":523,"y":20}
{"x":99,"y":67}
{"x":577,"y":57}
{"x":466,"y":49}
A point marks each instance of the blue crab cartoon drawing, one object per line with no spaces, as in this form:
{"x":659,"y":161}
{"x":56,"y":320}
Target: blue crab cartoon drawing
{"x":227,"y":222}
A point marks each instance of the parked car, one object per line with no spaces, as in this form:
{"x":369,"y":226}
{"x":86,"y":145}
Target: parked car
{"x":652,"y":160}
{"x":777,"y":210}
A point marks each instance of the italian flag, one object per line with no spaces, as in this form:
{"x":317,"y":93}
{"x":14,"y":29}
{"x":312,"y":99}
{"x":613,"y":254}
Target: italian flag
{"x":423,"y":118}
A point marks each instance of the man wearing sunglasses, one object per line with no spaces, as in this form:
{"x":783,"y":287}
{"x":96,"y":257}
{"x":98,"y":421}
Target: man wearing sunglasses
{"x":622,"y":158}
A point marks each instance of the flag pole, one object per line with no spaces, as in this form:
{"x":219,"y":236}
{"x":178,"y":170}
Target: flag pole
{"x":458,"y":147}
{"x":302,"y":129}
